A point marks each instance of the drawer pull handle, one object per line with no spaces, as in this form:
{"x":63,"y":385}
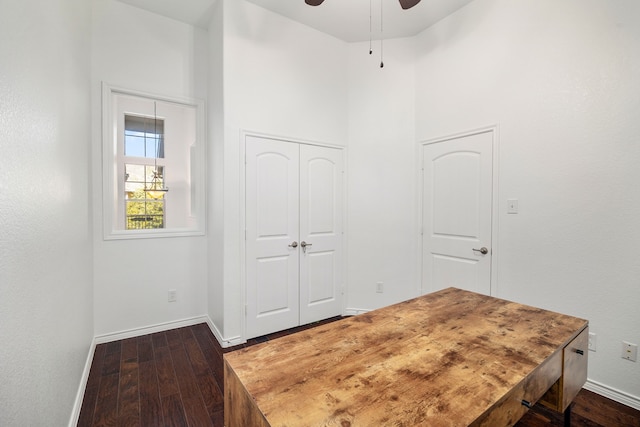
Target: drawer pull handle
{"x":526,"y":403}
{"x":580,"y":352}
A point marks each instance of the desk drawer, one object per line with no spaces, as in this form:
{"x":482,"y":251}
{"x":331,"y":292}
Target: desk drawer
{"x":574,"y":374}
{"x":509,"y":410}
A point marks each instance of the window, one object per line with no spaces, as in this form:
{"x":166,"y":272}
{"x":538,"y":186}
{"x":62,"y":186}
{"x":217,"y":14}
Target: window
{"x":143,"y":139}
{"x":153,"y":151}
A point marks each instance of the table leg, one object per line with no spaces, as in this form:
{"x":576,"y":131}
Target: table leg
{"x":567,"y":416}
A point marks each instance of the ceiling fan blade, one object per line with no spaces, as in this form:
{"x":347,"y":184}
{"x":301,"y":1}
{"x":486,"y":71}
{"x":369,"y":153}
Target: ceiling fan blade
{"x":316,"y":2}
{"x":408,"y":4}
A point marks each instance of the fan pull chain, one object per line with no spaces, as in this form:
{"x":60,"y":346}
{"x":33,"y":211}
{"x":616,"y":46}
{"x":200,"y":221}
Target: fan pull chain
{"x":370,"y":28}
{"x":381,"y":37}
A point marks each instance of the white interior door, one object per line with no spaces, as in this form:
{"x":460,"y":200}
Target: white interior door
{"x":293,"y":234}
{"x":272,"y":225}
{"x":320,"y":233}
{"x":457,"y":206}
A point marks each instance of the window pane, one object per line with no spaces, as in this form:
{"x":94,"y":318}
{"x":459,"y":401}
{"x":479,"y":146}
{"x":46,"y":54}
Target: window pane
{"x":134,"y":190}
{"x":155,"y":146}
{"x":143,"y":137}
{"x":145,"y":214}
{"x":135,"y":173}
{"x":133,"y":145}
{"x":150,"y":171}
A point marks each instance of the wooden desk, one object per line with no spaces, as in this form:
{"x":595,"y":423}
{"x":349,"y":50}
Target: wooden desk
{"x":451,"y":358}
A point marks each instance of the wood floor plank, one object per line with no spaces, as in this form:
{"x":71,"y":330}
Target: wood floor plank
{"x":218,"y":419}
{"x":129,"y":350}
{"x":167,"y":380}
{"x":159,"y":340}
{"x":196,"y":412}
{"x":196,"y":357}
{"x":96,"y":366}
{"x":114,"y":347}
{"x":128,"y":394}
{"x":211,"y":392}
{"x":91,"y":390}
{"x":106,"y":412}
{"x":174,"y":338}
{"x":88,"y":406}
{"x":111,"y":363}
{"x":173,"y":411}
{"x":195,"y":407}
{"x":145,"y":349}
{"x":212,"y":353}
{"x":150,"y":405}
{"x":186,"y":378}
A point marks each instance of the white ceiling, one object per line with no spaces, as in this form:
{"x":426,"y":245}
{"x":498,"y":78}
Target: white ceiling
{"x":194,"y":12}
{"x":347,"y":20}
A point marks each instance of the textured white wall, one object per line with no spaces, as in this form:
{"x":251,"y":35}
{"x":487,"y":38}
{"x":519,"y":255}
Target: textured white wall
{"x":561,"y":80}
{"x":142,"y":51}
{"x":215,"y":178}
{"x":382,"y":210}
{"x":281,"y":78}
{"x":46,"y":319}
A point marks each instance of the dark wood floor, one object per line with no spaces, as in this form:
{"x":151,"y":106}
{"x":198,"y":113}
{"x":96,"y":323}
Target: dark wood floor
{"x":175,"y":378}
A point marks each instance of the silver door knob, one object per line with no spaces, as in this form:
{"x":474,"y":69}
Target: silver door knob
{"x":482,"y":250}
{"x":304,"y":246}
{"x":293,"y":244}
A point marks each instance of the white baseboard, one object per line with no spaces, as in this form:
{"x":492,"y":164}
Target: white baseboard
{"x":77,"y":406}
{"x":613,"y":394}
{"x":160,"y":327}
{"x":355,"y":311}
{"x":224,"y":342}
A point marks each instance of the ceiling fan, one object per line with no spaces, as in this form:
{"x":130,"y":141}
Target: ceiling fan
{"x":406,"y":4}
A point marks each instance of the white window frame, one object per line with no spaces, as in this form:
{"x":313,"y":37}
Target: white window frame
{"x":111,"y":199}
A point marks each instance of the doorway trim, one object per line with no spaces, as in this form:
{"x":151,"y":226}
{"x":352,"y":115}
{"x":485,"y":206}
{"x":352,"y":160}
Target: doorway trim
{"x":495,"y":198}
{"x":244,"y":133}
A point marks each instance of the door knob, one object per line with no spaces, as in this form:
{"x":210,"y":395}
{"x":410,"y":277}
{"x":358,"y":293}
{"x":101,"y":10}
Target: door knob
{"x":294,"y":244}
{"x":304,"y":246}
{"x":482,"y":250}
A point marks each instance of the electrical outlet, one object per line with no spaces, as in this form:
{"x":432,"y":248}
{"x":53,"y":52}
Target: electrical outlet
{"x":629,"y":351}
{"x":592,"y":341}
{"x":172,"y":295}
{"x":379,"y":287}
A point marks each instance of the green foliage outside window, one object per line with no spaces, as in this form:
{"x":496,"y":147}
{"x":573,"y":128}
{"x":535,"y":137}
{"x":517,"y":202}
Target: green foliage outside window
{"x":142,"y":211}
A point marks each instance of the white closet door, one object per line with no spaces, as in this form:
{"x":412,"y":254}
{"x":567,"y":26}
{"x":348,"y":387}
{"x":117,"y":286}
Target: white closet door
{"x":321,"y":231}
{"x":272,"y":205}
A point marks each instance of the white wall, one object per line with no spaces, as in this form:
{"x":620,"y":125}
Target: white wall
{"x":142,"y":51}
{"x":561,"y":80}
{"x":215,"y":178}
{"x":382,"y":212}
{"x":280,"y":78}
{"x":46,"y":316}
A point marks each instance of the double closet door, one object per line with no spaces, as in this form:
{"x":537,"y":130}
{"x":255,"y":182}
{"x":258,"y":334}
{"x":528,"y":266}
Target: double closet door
{"x":293,"y":234}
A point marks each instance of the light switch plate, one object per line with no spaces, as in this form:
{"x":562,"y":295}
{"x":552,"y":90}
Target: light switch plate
{"x":512,"y":206}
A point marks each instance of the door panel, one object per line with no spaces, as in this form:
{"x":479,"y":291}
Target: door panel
{"x":272,"y":189}
{"x":321,"y":226}
{"x":457,"y":203}
{"x":457,"y":272}
{"x":321,"y":268}
{"x":273,"y":291}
